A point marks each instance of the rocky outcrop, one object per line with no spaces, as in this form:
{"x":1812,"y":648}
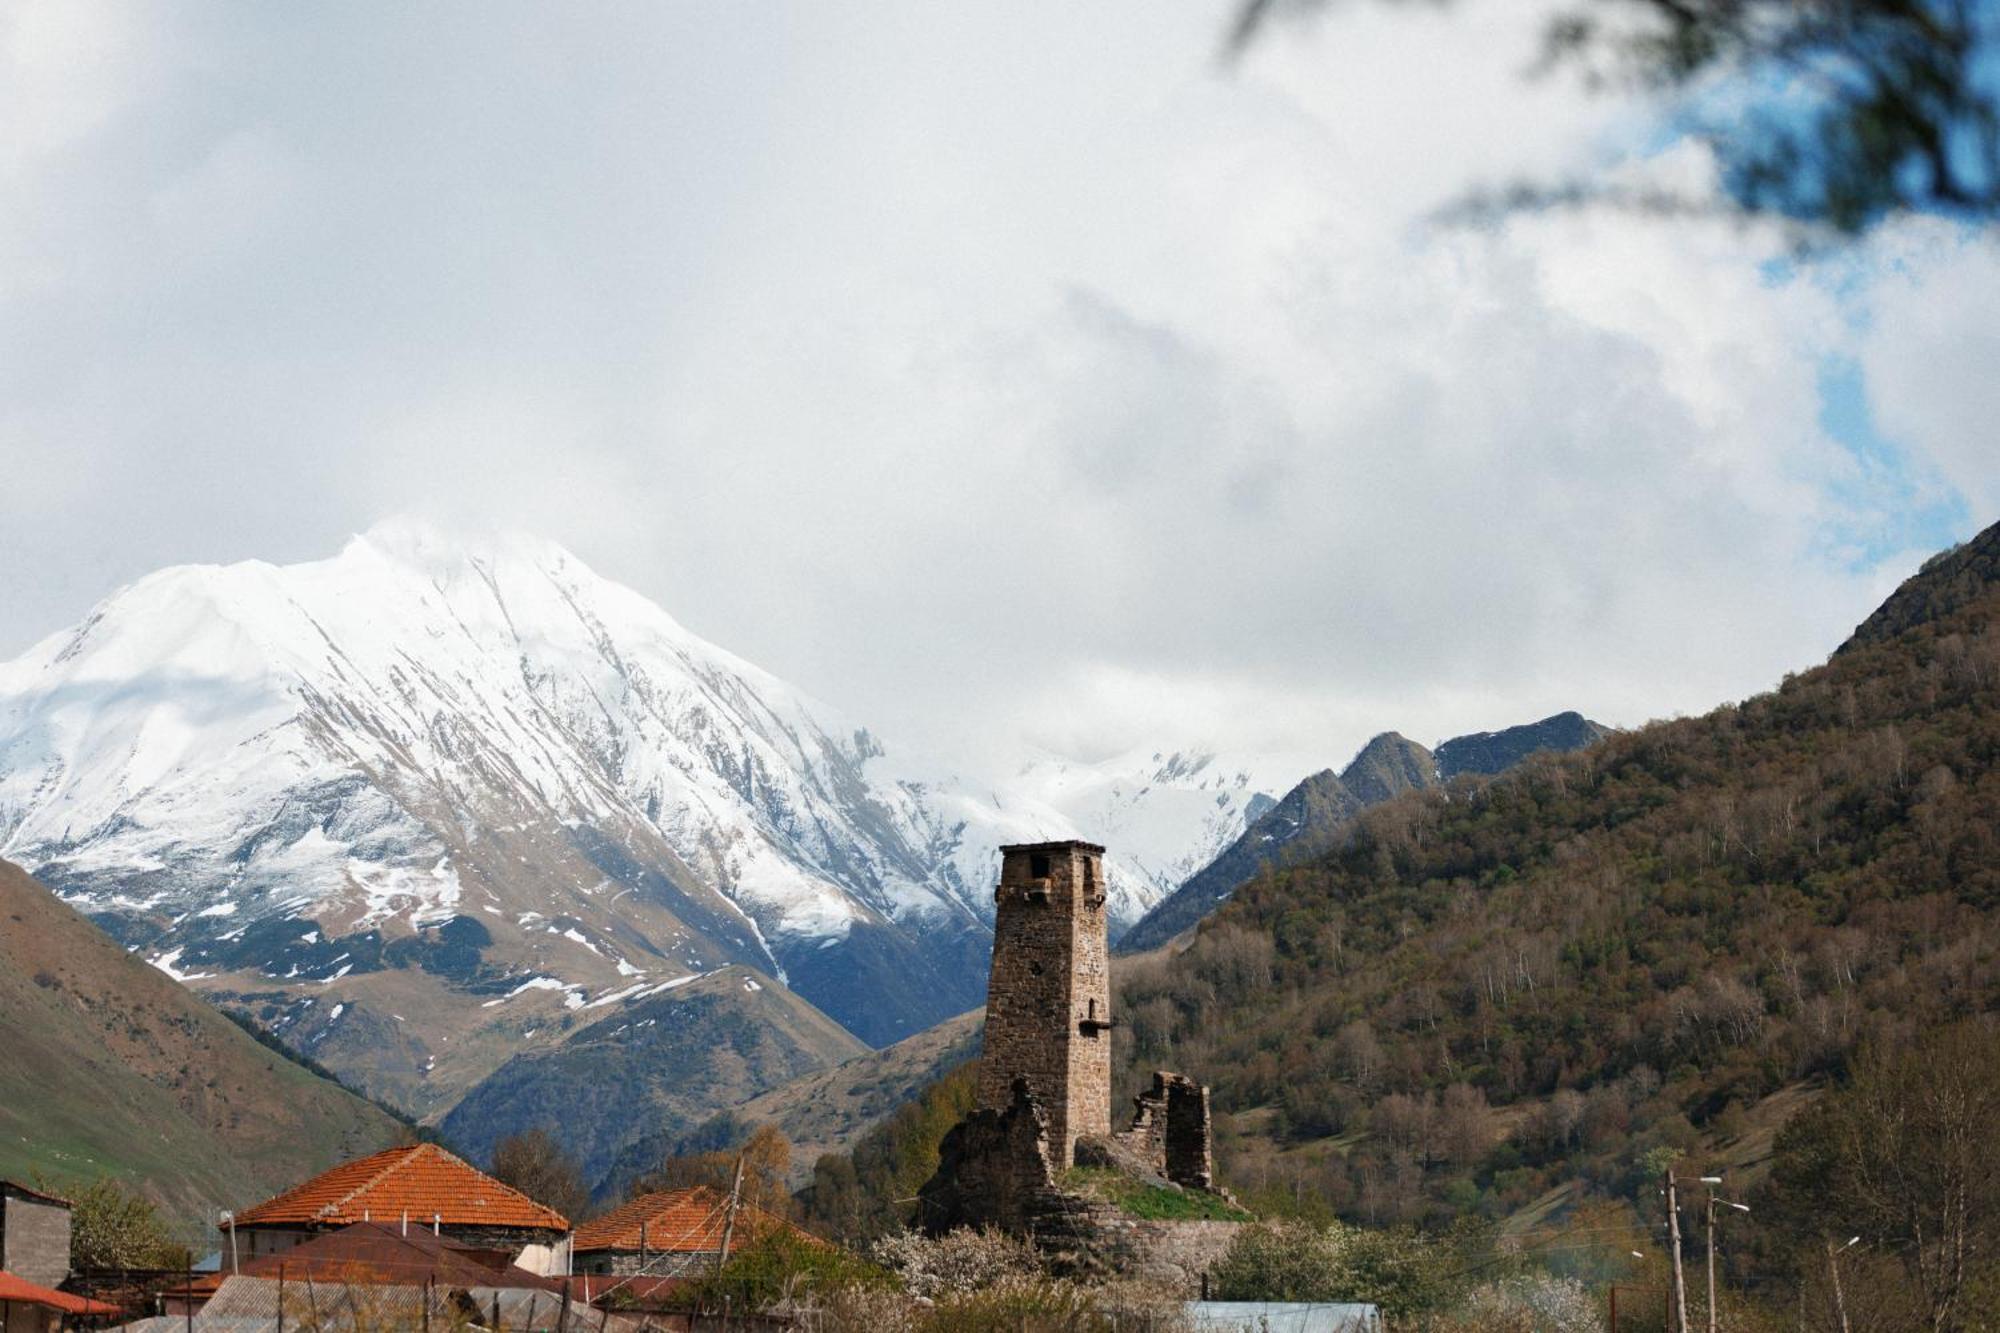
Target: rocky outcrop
{"x":1489,"y":752}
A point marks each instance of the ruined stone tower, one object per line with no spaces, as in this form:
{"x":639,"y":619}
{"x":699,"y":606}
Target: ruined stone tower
{"x":1048,"y":1003}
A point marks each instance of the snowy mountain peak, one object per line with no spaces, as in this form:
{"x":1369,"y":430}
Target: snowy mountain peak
{"x":473,"y":757}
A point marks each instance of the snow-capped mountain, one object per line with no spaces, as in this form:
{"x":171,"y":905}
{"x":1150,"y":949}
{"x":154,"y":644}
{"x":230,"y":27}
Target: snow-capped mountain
{"x":494,"y":782}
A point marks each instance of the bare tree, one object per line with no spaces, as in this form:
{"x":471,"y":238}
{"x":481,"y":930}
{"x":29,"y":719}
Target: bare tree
{"x":535,"y":1164}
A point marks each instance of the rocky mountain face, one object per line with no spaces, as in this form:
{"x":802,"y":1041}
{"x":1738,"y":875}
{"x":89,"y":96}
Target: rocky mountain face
{"x":658,"y":1065}
{"x":1388,"y":766}
{"x":1950,"y":581}
{"x":112,"y":1068}
{"x":1315,"y":814}
{"x":431,"y":805}
{"x":1489,"y":752}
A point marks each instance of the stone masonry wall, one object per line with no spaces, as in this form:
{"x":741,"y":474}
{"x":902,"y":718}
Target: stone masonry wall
{"x":991,"y":1166}
{"x":34,"y":1239}
{"x":1190,"y":1161}
{"x":1170,"y":1132}
{"x":1048,"y":1006}
{"x":1091,"y":1238}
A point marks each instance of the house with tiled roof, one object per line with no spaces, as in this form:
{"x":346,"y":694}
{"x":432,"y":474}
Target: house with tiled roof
{"x":29,"y":1307}
{"x":419,"y":1185}
{"x":378,"y":1275}
{"x":670,"y":1232}
{"x":376,"y":1254}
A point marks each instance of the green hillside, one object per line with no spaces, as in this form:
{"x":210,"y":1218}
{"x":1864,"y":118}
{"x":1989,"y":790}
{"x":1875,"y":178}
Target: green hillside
{"x":1512,"y":991}
{"x":113,"y":1068}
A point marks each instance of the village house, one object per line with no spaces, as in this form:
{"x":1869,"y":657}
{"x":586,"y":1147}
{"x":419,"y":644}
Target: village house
{"x":419,"y":1186}
{"x":34,"y":1259}
{"x":366,"y":1254}
{"x":671,"y":1233}
{"x":29,"y":1307}
{"x":381,"y":1275}
{"x":34,"y":1234}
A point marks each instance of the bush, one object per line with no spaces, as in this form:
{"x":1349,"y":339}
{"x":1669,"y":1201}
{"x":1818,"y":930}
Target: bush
{"x":1401,"y":1271}
{"x":1014,"y":1303}
{"x":783,"y":1267}
{"x":1533,"y":1303}
{"x":960,"y":1261}
{"x":1010,"y":1304}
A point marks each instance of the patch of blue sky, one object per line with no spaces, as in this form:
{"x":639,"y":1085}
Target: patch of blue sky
{"x":1889,"y":502}
{"x":1781,"y":111}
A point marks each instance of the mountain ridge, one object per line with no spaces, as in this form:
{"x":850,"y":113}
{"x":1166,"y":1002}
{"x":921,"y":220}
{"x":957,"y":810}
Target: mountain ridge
{"x":1320,"y":810}
{"x":418,"y":806}
{"x":1495,"y":998}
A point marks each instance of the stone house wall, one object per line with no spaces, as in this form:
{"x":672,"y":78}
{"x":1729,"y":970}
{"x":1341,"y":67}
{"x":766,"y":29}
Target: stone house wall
{"x":34,"y":1238}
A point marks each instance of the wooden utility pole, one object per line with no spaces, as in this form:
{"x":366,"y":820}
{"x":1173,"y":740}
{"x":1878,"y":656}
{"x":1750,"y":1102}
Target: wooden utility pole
{"x":1674,"y":1232}
{"x":729,"y":1218}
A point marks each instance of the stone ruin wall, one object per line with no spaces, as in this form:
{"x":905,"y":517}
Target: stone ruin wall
{"x":1171,"y":1134}
{"x":995,"y":1171}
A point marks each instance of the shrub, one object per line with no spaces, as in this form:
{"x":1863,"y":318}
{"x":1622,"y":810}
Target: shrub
{"x":1533,"y":1303}
{"x":1401,"y":1271}
{"x":783,"y":1267}
{"x":960,"y":1261}
{"x":1015,"y":1303}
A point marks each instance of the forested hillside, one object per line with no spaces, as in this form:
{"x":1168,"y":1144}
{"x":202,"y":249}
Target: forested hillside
{"x":1315,"y":814}
{"x":1669,"y":939}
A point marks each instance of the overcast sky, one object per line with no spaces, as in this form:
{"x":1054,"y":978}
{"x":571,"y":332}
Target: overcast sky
{"x":1004,"y":374}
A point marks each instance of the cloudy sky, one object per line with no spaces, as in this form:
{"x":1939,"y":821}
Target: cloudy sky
{"x":1005,"y":374}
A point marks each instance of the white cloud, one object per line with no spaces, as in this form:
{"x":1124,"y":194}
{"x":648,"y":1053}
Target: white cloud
{"x":997,"y":375}
{"x":1931,"y":353}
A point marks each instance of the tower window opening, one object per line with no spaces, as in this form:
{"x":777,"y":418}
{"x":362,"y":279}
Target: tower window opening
{"x":1038,"y":866}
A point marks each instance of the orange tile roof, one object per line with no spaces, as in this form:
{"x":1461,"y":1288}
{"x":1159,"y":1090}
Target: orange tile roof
{"x":21,"y":1290}
{"x":422,"y":1180}
{"x":379,"y":1254}
{"x":674,"y":1221}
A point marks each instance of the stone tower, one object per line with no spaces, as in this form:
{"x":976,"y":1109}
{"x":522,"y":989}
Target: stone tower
{"x":1048,"y":1004}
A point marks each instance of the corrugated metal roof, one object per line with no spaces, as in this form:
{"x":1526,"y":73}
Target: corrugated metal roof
{"x":421,"y":1180}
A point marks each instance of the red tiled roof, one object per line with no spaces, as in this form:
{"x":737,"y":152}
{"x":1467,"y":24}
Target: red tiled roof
{"x":687,"y":1221}
{"x":381,"y":1254}
{"x":28,"y":1293}
{"x":422,"y":1180}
